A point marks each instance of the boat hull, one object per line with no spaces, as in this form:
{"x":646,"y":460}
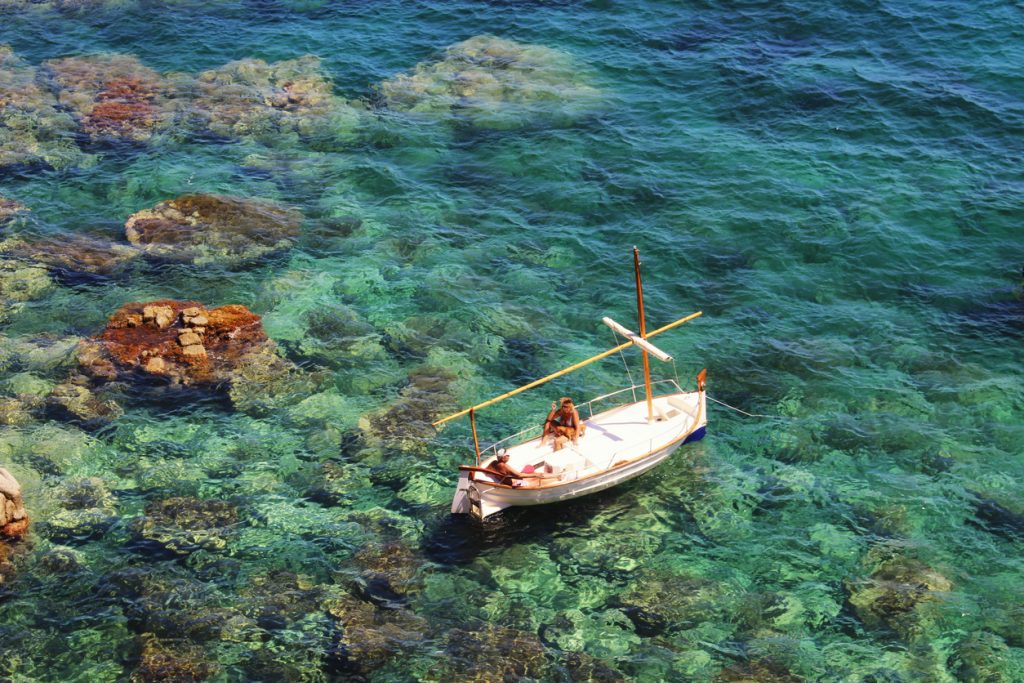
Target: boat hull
{"x":482,"y":499}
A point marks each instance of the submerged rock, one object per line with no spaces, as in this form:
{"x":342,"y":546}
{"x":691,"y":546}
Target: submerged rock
{"x":279,"y":604}
{"x":20,"y":282}
{"x":182,"y":344}
{"x":493,"y":83}
{"x":28,"y":397}
{"x":183,"y":525}
{"x":758,"y":671}
{"x":605,"y":633}
{"x":172,"y":606}
{"x":62,"y":560}
{"x":252,"y":99}
{"x":338,"y":484}
{"x":997,"y":518}
{"x":48,"y":448}
{"x":492,"y":653}
{"x":88,"y":493}
{"x":73,"y":253}
{"x":337,"y":335}
{"x":894,"y":591}
{"x":981,"y":657}
{"x":33,"y":130}
{"x":265,"y":382}
{"x":389,"y":571}
{"x":278,"y":599}
{"x":204,"y":228}
{"x":9,"y":209}
{"x":27,"y":384}
{"x":657,"y":601}
{"x":113,"y":95}
{"x":41,"y":353}
{"x":87,"y":511}
{"x":13,"y":518}
{"x":406,"y":424}
{"x":77,"y":403}
{"x":172,"y":661}
{"x":179,"y":342}
{"x":584,"y":668}
{"x":368,"y":638}
{"x":19,"y":410}
{"x":6,"y":566}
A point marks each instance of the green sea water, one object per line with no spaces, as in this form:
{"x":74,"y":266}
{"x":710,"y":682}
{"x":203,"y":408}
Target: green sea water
{"x":837,"y":186}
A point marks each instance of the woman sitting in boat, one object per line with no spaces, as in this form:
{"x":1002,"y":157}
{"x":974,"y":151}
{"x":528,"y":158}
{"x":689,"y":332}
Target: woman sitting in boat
{"x":528,"y":479}
{"x":563,"y":423}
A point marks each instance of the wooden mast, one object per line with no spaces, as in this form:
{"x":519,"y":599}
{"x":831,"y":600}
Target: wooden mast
{"x":476,"y":443}
{"x":643,"y":334}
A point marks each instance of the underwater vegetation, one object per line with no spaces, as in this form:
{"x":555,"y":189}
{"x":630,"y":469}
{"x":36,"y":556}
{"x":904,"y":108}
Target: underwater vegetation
{"x":491,"y":82}
{"x":485,"y":81}
{"x":112,"y":95}
{"x":250,"y":250}
{"x":202,"y":228}
{"x":276,"y":103}
{"x":33,"y":131}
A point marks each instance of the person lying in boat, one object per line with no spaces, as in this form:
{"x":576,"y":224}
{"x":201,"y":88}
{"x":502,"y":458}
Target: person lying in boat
{"x":563,"y":424}
{"x":527,"y":479}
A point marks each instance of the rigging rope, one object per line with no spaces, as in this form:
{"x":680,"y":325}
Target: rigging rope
{"x":723,"y":403}
{"x":615,"y":341}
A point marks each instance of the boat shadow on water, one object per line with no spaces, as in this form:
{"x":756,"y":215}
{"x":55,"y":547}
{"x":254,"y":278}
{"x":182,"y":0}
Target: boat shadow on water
{"x":460,"y":539}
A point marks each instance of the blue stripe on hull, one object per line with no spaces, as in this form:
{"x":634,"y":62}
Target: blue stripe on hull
{"x":697,"y":435}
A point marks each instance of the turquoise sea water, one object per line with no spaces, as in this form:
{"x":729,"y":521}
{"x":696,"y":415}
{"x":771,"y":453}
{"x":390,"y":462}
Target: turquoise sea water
{"x":836,"y":185}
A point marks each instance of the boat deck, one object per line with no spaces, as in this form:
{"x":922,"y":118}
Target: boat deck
{"x":611,"y":437}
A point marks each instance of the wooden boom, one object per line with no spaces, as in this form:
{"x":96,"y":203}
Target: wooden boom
{"x":638,"y":340}
{"x":567,"y":370}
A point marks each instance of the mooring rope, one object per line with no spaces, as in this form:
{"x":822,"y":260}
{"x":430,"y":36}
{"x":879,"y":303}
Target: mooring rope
{"x":743,"y":412}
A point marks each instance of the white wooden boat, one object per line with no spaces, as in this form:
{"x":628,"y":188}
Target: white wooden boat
{"x":623,"y":439}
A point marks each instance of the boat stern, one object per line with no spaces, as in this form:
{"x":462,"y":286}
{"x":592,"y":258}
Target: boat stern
{"x":473,"y":499}
{"x":462,"y":504}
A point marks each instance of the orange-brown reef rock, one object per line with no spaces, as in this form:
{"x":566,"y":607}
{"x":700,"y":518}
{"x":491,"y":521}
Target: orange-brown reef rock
{"x":178,"y":340}
{"x":114,"y":95}
{"x":13,"y":518}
